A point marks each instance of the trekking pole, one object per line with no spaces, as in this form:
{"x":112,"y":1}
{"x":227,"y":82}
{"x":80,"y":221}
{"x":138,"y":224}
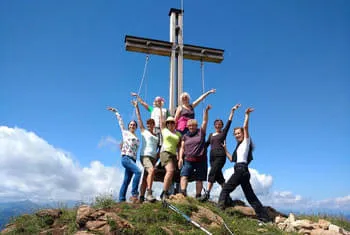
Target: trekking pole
{"x":172,"y":207}
{"x":227,"y":228}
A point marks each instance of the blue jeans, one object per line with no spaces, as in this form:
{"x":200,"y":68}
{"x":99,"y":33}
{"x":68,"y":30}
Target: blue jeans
{"x":130,"y":168}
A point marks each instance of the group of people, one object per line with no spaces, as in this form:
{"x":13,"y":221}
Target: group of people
{"x":180,"y":143}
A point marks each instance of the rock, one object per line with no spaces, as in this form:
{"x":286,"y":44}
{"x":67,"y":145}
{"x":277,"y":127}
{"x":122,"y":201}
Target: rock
{"x":83,"y":214}
{"x":322,"y":232}
{"x":55,"y":231}
{"x":304,"y":231}
{"x":335,"y":228}
{"x":94,"y":225}
{"x":213,"y":219}
{"x":245,"y":210}
{"x":324,"y":224}
{"x":305,"y":224}
{"x":279,"y":219}
{"x":49,"y":215}
{"x":83,"y":233}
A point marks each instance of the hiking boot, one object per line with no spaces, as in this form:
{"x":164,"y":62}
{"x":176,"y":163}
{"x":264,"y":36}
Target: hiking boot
{"x":142,"y":199}
{"x":205,"y":197}
{"x":134,"y":199}
{"x":149,"y":196}
{"x":221,"y":205}
{"x":164,"y":195}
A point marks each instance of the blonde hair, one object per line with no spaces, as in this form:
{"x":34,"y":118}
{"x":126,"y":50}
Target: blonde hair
{"x":185,"y":94}
{"x":192,"y":121}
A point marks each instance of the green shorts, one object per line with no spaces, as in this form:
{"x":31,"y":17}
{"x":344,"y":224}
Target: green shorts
{"x":166,"y":157}
{"x":148,"y":162}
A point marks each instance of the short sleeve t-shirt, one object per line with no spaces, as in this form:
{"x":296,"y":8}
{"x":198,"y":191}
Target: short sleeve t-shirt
{"x":170,"y":140}
{"x":155,"y":114}
{"x":149,"y":144}
{"x":194,"y":149}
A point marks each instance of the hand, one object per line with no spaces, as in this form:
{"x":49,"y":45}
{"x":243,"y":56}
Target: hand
{"x":224,"y":145}
{"x":114,"y":110}
{"x":236,"y":107}
{"x":180,"y":163}
{"x":208,"y":107}
{"x":134,"y":103}
{"x":249,"y":110}
{"x":134,"y":94}
{"x":212,"y":91}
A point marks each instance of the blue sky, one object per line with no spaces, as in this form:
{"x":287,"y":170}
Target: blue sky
{"x":63,"y":62}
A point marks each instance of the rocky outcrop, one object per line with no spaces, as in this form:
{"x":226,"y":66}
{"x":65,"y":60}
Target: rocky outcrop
{"x":87,"y":220}
{"x":107,"y":222}
{"x":307,"y":227}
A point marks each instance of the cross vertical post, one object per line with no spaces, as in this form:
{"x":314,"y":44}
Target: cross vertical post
{"x":177,"y":51}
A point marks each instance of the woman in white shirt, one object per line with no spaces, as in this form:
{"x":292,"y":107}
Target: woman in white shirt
{"x":242,"y":155}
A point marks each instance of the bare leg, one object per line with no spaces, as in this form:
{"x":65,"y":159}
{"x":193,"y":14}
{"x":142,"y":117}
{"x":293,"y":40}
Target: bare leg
{"x":169,"y":168}
{"x":150,"y":177}
{"x":143,"y":184}
{"x":183,"y":183}
{"x":199,"y":187}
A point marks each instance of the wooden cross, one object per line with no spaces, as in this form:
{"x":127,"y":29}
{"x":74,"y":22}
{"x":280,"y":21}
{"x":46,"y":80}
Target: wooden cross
{"x":177,"y":51}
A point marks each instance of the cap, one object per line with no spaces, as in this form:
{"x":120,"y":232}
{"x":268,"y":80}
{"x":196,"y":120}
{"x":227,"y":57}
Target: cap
{"x":158,"y":98}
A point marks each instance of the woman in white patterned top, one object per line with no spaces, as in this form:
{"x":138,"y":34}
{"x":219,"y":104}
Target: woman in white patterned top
{"x":129,"y":153}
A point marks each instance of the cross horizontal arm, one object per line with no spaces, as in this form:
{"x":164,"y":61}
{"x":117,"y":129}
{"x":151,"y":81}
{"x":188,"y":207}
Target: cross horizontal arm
{"x":164,"y":48}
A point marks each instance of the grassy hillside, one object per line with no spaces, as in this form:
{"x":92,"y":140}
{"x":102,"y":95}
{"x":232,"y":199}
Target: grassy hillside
{"x":153,"y":218}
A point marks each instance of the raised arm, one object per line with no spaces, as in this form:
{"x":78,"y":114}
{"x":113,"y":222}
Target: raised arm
{"x":246,"y":122}
{"x":228,"y":124}
{"x":117,"y":114}
{"x":161,"y":118}
{"x":202,"y":97}
{"x":138,"y":114}
{"x":142,"y":102}
{"x":205,"y":118}
{"x":233,"y":111}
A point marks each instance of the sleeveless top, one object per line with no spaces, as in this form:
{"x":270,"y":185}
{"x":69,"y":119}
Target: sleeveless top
{"x":185,"y":115}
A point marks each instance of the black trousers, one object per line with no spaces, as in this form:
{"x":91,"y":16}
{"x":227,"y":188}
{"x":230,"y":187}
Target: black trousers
{"x":215,"y":173}
{"x":241,"y":176}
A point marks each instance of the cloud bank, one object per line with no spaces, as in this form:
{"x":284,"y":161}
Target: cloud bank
{"x":31,"y":168}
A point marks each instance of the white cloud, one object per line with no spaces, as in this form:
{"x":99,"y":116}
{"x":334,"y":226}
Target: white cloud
{"x":109,"y":141}
{"x":31,"y":168}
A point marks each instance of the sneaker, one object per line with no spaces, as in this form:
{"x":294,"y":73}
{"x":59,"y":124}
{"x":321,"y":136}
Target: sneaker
{"x":205,"y":197}
{"x":134,"y":199}
{"x":149,"y":196}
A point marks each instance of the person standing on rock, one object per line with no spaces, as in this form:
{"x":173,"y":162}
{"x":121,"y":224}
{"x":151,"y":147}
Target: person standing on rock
{"x":148,"y":155}
{"x":168,"y":154}
{"x":155,"y":111}
{"x":218,"y":154}
{"x":242,"y":156}
{"x":192,"y":155}
{"x":130,"y":145}
{"x":185,"y":111}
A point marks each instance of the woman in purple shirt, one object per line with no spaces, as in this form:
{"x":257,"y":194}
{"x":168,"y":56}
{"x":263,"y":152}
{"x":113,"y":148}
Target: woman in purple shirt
{"x":192,"y":155}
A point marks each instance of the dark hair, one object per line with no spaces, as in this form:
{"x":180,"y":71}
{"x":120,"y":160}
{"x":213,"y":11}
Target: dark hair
{"x":151,"y":121}
{"x":218,"y":120}
{"x":131,"y":122}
